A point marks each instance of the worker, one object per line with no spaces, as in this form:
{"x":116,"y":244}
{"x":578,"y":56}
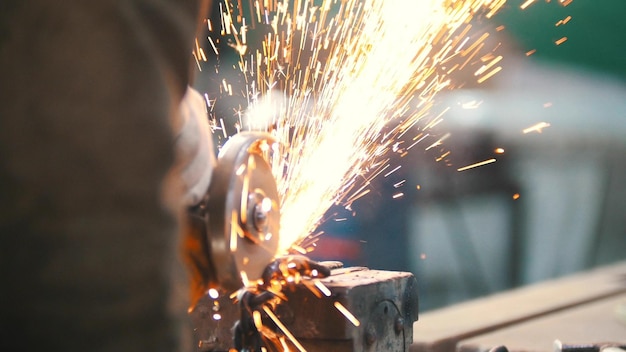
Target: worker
{"x":91,"y":183}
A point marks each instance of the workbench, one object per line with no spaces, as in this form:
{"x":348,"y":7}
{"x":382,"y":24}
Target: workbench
{"x":584,"y":308}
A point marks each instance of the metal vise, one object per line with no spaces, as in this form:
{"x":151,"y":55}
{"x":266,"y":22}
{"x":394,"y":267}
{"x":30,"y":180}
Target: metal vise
{"x":383,"y":305}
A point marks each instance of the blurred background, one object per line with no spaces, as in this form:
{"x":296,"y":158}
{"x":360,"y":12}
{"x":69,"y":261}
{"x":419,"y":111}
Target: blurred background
{"x":553,"y":203}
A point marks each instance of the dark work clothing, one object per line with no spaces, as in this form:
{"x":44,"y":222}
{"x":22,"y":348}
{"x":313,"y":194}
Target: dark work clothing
{"x":88,"y":247}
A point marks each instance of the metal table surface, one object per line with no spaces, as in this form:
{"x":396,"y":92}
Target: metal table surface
{"x":581,"y":308}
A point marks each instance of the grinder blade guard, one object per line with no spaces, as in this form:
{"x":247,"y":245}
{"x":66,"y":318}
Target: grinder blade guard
{"x":243,"y":210}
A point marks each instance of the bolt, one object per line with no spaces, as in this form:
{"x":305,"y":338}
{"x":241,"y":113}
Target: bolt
{"x":260,"y":217}
{"x":258,"y":209}
{"x":398,"y":325}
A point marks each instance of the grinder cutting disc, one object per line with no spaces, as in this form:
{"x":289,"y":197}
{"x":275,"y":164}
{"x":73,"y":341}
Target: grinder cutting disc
{"x":244,"y":210}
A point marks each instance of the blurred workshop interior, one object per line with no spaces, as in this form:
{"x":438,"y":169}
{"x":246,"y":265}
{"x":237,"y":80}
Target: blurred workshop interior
{"x":553,"y":202}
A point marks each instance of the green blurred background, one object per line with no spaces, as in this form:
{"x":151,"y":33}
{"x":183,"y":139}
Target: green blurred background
{"x":596,"y":32}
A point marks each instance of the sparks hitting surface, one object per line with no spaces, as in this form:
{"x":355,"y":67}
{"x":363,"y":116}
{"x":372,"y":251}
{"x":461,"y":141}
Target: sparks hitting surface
{"x":338,"y":83}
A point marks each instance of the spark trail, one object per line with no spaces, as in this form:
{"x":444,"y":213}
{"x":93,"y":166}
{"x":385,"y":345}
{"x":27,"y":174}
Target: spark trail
{"x":337,"y":82}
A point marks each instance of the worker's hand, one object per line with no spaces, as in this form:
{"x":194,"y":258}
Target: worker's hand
{"x":194,"y":146}
{"x":194,"y":167}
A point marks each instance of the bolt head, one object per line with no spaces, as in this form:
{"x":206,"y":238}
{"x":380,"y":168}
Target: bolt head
{"x":398,"y":325}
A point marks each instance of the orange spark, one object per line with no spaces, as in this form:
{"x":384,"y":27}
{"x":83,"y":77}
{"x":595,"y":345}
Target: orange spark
{"x":323,"y":289}
{"x":490,"y":74}
{"x":526,"y":4}
{"x":283,"y":328}
{"x":340,"y":307}
{"x":563,"y":21}
{"x":213,"y":293}
{"x":536,"y":128}
{"x":244,"y":278}
{"x":481,"y":163}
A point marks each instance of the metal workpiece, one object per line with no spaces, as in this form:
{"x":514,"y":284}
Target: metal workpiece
{"x":384,"y":305}
{"x":243,"y":210}
{"x":361,"y":310}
